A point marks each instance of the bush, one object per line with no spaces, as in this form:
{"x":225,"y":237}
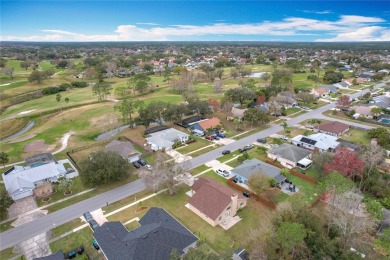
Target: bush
{"x":79,"y":84}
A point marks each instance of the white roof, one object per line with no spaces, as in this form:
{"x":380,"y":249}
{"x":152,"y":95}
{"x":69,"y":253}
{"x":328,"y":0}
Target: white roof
{"x":322,"y":141}
{"x":25,"y":177}
{"x":305,"y":162}
{"x":166,"y":137}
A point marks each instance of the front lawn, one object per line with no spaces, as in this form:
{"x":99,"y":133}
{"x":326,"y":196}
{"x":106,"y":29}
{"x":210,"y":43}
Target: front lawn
{"x":200,"y":143}
{"x":205,"y":150}
{"x":292,"y":110}
{"x":200,"y":169}
{"x":229,"y":156}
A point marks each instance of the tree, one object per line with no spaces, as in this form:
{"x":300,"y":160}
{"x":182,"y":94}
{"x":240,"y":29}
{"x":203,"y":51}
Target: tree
{"x":372,"y":156}
{"x":58,"y":98}
{"x":266,"y":76}
{"x":217,"y":85}
{"x":319,"y":159}
{"x":215,"y":104}
{"x":102,"y":90}
{"x":122,"y":91}
{"x":289,"y":236}
{"x":165,"y":172}
{"x":345,"y":162}
{"x":104,"y":167}
{"x":67,"y":100}
{"x":344,"y":101}
{"x":234,"y":73}
{"x":179,"y":70}
{"x":240,"y":95}
{"x":4,"y":158}
{"x":258,"y":183}
{"x":8,"y":71}
{"x":375,"y":208}
{"x":284,"y":125}
{"x":128,"y":107}
{"x":65,"y":184}
{"x":256,"y":116}
{"x":63,"y":64}
{"x":5,"y":201}
{"x":305,"y":97}
{"x":167,"y":74}
{"x":37,"y":76}
{"x":331,"y":77}
{"x":376,"y":111}
{"x":139,"y":83}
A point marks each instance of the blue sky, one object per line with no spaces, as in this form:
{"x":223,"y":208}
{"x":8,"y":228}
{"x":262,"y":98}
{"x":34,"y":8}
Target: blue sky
{"x":195,"y":20}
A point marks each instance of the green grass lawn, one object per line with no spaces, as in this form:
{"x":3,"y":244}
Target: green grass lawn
{"x":205,"y":150}
{"x":308,"y":192}
{"x":356,"y":136}
{"x":292,"y":110}
{"x":14,"y":85}
{"x":7,"y":253}
{"x":251,"y":132}
{"x":200,"y":143}
{"x":229,"y":156}
{"x":200,"y":169}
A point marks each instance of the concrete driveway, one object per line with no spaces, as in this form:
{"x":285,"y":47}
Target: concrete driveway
{"x":224,"y":141}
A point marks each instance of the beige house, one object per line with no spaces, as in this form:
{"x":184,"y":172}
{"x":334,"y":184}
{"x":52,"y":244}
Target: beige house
{"x":215,"y":203}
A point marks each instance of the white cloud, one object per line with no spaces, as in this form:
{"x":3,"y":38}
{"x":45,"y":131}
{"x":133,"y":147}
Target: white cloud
{"x":318,"y":12}
{"x":369,"y":33}
{"x":348,"y":26}
{"x":147,"y":23}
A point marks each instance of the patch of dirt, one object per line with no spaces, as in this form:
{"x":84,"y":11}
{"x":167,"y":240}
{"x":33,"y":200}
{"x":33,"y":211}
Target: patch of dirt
{"x":24,"y":138}
{"x":140,"y":209}
{"x":38,"y":146}
{"x":21,"y":206}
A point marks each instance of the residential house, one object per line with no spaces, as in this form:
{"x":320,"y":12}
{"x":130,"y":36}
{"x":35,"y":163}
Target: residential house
{"x":158,"y":235}
{"x":20,"y":181}
{"x":362,"y":110}
{"x":330,"y":89}
{"x":342,"y":85}
{"x":188,"y":122}
{"x":214,"y":202}
{"x":250,"y":167}
{"x":332,"y":128}
{"x":382,"y":101}
{"x":124,"y":149}
{"x":289,"y":155}
{"x":236,"y":113}
{"x":286,"y":99}
{"x":321,"y":141}
{"x":319,"y":92}
{"x":366,"y":75}
{"x":385,"y":222}
{"x":165,"y":139}
{"x":207,"y":124}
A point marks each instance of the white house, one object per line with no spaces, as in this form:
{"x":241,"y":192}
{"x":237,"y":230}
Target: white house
{"x":20,"y":181}
{"x":166,"y":138}
{"x":321,"y":141}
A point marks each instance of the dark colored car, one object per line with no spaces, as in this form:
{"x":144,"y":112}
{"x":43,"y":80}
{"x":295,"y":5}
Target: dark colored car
{"x":72,"y":254}
{"x":215,"y":137}
{"x":141,"y":162}
{"x":88,"y":217}
{"x":209,"y":137}
{"x":222,"y":135}
{"x":246,"y":194}
{"x":95,"y":245}
{"x":80,"y":250}
{"x":93,"y":224}
{"x":225,"y":152}
{"x":136,"y":165}
{"x":261,"y":140}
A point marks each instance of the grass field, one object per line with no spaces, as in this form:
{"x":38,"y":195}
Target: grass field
{"x":356,"y":136}
{"x":11,"y":126}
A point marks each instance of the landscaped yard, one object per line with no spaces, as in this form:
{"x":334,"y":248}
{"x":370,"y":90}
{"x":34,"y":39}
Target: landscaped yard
{"x":200,"y":169}
{"x":205,"y":150}
{"x":356,"y":136}
{"x":292,"y":110}
{"x":200,"y":143}
{"x":308,"y":192}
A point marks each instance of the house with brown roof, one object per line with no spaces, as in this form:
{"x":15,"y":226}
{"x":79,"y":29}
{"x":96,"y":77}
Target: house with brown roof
{"x":319,"y":92}
{"x":333,"y":128}
{"x":215,"y":203}
{"x":124,"y":149}
{"x":211,"y":123}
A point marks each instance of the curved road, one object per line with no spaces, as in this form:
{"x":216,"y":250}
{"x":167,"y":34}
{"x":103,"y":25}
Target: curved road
{"x":38,"y":226}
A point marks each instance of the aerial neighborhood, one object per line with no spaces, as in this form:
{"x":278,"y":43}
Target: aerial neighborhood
{"x":208,"y":150}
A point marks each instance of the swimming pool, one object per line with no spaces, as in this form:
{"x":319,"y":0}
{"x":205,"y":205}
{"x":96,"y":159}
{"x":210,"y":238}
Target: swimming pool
{"x":385,"y":121}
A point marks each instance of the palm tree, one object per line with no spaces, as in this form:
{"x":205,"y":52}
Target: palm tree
{"x":65,"y":185}
{"x":3,"y":158}
{"x":284,"y":125}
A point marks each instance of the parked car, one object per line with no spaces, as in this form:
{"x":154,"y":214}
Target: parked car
{"x":208,"y":137}
{"x":225,"y":152}
{"x":222,"y":135}
{"x":305,"y":108}
{"x":136,"y":165}
{"x":72,"y":254}
{"x":246,"y":194}
{"x":141,"y":162}
{"x":215,"y":137}
{"x":224,"y":173}
{"x":88,"y":217}
{"x":309,"y":126}
{"x":93,"y":224}
{"x":246,"y":147}
{"x":80,"y":250}
{"x":149,"y":167}
{"x":283,"y":137}
{"x":95,"y":245}
{"x":261,"y":140}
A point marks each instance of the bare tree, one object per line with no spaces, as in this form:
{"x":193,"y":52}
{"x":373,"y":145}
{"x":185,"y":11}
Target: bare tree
{"x":372,"y":155}
{"x":217,"y":85}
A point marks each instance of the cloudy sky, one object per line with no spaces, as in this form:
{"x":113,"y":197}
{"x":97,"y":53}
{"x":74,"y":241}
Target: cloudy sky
{"x":69,"y":21}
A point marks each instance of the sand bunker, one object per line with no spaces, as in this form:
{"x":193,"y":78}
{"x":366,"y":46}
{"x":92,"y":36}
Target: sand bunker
{"x":26,"y":112}
{"x":38,"y":146}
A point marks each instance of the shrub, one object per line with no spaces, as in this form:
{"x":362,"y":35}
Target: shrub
{"x":79,"y":84}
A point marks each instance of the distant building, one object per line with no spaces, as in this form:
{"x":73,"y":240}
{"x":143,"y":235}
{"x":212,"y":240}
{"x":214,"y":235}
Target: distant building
{"x":332,"y":128}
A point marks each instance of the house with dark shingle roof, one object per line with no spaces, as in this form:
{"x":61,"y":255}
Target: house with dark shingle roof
{"x":214,"y":202}
{"x":287,"y":154}
{"x":158,"y":235}
{"x":250,"y":167}
{"x":57,"y":256}
{"x":124,"y":149}
{"x":204,"y":125}
{"x":333,"y":128}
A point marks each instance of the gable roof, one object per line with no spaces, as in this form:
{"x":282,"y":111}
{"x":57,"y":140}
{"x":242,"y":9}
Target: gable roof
{"x":166,"y":138}
{"x":290,"y":152}
{"x":157,"y":236}
{"x":319,"y":140}
{"x":252,"y":166}
{"x":57,"y":256}
{"x":156,"y":129}
{"x":237,"y":112}
{"x":192,"y":120}
{"x":211,"y":197}
{"x":124,"y":149}
{"x":333,"y":127}
{"x":210,"y":123}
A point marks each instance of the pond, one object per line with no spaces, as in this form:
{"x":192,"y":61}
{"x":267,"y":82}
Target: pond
{"x":256,"y":75}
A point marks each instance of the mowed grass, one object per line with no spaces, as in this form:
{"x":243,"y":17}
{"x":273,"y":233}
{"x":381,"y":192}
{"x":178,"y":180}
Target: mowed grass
{"x":356,"y":136}
{"x":219,"y":239}
{"x":7,"y":253}
{"x":14,"y":85}
{"x":11,"y":126}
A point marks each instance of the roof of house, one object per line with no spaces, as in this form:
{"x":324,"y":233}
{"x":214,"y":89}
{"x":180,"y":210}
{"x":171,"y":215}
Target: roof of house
{"x":319,"y":91}
{"x":363,"y":110}
{"x":156,"y":129}
{"x":237,"y":112}
{"x":333,"y":127}
{"x":57,"y":256}
{"x":210,"y":123}
{"x":157,"y":236}
{"x":319,"y":140}
{"x":330,"y":88}
{"x":193,"y":119}
{"x":211,"y":197}
{"x":124,"y":149}
{"x":41,"y":158}
{"x":23,"y":178}
{"x":290,"y":152}
{"x":166,"y":138}
{"x":382,"y":101}
{"x":252,"y":166}
{"x":242,"y":253}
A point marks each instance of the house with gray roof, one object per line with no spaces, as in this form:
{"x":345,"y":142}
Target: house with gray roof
{"x":289,"y":155}
{"x":158,"y":235}
{"x":330,"y":88}
{"x":20,"y":181}
{"x":124,"y":149}
{"x":321,"y":141}
{"x":250,"y":167}
{"x":165,"y":139}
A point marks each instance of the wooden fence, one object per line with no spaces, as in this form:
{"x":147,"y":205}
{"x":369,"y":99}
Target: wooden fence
{"x":295,"y":173}
{"x":234,"y":185}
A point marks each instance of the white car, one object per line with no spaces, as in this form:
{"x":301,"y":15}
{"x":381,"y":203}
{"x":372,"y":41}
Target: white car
{"x":283,"y":137}
{"x":149,"y":167}
{"x":224,"y":173}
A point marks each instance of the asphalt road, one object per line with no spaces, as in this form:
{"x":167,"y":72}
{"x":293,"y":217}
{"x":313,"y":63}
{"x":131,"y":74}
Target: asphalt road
{"x":18,"y":234}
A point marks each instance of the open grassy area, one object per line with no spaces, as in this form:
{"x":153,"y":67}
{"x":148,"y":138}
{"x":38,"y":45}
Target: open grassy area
{"x":292,"y":110}
{"x":229,"y":156}
{"x":14,"y":85}
{"x":308,"y":192}
{"x":205,"y":150}
{"x":200,"y":143}
{"x":356,"y":136}
{"x":200,"y":169}
{"x":11,"y":126}
{"x":7,"y":253}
